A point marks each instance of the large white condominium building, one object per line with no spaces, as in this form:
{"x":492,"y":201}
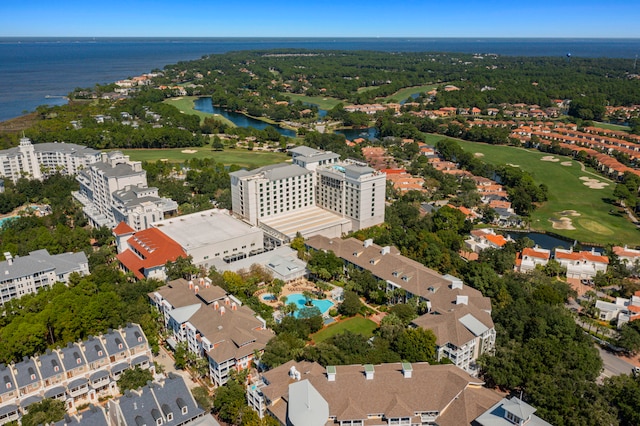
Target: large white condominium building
{"x":40,"y":160}
{"x":350,"y":194}
{"x":115,"y":189}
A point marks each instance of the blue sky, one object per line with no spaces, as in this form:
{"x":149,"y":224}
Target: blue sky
{"x":324,"y":18}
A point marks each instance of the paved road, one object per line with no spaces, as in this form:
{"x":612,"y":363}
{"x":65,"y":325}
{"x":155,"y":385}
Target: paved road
{"x":614,"y":365}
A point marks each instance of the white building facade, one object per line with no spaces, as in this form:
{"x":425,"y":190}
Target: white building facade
{"x":28,"y":274}
{"x":351,"y":191}
{"x":116,"y":174}
{"x":41,"y":160}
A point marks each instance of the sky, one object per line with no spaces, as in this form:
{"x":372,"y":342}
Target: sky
{"x":324,"y":18}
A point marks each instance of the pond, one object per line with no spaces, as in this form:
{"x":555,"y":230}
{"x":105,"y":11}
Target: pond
{"x":240,"y":120}
{"x":351,"y":134}
{"x":549,"y":242}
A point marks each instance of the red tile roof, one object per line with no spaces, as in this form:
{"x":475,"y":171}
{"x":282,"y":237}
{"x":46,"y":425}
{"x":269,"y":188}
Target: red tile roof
{"x":531,"y":252}
{"x":155,"y":249}
{"x":582,"y":255}
{"x":123,"y":229}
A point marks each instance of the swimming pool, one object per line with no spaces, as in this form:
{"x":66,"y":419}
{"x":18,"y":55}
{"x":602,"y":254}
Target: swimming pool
{"x":269,"y":297}
{"x":4,"y":219}
{"x":323,"y":304}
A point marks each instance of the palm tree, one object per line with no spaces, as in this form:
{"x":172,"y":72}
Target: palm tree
{"x":307,"y":297}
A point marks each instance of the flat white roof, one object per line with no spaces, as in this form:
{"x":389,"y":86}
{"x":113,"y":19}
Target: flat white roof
{"x":203,"y":228}
{"x":305,"y":220}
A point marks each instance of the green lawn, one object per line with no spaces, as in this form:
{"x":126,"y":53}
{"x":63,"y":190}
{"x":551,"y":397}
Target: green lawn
{"x":241,"y":157}
{"x":357,"y":325}
{"x":611,"y":126}
{"x":322,"y":102}
{"x":185,"y":105}
{"x":597,"y":220}
{"x":405,"y":93}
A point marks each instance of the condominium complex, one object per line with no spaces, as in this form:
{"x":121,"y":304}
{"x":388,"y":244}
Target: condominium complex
{"x":115,"y":189}
{"x":213,"y":324}
{"x":306,"y":394}
{"x":165,"y":402}
{"x":40,"y":160}
{"x":316,"y":194}
{"x":22,"y":275}
{"x":458,"y":315}
{"x":78,"y":374}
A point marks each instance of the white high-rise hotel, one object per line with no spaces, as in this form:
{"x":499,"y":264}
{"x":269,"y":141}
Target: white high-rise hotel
{"x":286,"y":197}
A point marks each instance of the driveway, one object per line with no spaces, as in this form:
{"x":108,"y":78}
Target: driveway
{"x":165,"y":358}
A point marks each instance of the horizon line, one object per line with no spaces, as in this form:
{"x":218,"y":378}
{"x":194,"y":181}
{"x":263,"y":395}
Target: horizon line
{"x":324,"y":37}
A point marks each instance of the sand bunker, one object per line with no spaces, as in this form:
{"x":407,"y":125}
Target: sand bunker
{"x":550,"y":158}
{"x":189,"y":151}
{"x":513,"y":165}
{"x":593,"y":183}
{"x":566,"y":163}
{"x":478,"y":154}
{"x":568,"y":213}
{"x":562,"y":223}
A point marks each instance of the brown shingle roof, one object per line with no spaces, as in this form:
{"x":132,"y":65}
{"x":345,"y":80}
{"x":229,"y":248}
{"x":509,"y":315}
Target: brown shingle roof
{"x":457,"y":396}
{"x":412,"y":276}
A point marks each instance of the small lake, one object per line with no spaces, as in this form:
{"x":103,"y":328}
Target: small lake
{"x":548,"y":242}
{"x":240,"y":120}
{"x":351,"y":134}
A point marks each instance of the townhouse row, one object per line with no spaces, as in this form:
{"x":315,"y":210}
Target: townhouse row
{"x":78,"y":374}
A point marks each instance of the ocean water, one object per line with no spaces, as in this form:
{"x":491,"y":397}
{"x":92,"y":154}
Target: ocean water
{"x":37,"y":71}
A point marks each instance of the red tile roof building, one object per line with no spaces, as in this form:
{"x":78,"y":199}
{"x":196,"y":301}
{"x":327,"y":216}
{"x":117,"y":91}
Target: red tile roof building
{"x":582,"y":264}
{"x":146,"y":252}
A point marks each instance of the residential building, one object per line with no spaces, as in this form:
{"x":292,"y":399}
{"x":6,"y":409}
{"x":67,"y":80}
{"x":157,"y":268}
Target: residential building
{"x":582,"y":264}
{"x":482,"y":239}
{"x":529,"y":258}
{"x":41,"y":160}
{"x":305,"y":393}
{"x":212,"y":324}
{"x":628,"y":257}
{"x":145,"y":253}
{"x":510,"y":411}
{"x":77,"y":374}
{"x":451,"y":306}
{"x":22,"y":275}
{"x":621,"y":311}
{"x":167,"y":403}
{"x":316,"y":194}
{"x":213,"y":234}
{"x":462,"y":335}
{"x":115,"y":189}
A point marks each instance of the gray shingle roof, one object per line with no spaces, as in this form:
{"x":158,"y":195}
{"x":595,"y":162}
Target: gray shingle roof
{"x":72,"y":356}
{"x":155,"y":400}
{"x":93,"y":349}
{"x":26,"y":373}
{"x":114,"y":342}
{"x":50,"y":365}
{"x":133,"y":335}
{"x":7,"y":382}
{"x":40,"y":261}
